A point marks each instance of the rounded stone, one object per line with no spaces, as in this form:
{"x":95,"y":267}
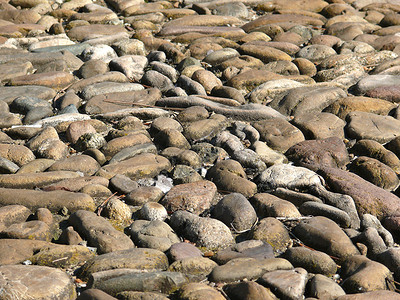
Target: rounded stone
{"x":36,"y":282}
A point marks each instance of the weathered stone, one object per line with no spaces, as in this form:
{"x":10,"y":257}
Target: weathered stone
{"x":325,"y":235}
{"x":141,"y":166}
{"x":197,"y":291}
{"x":314,"y":154}
{"x":368,"y":197}
{"x":228,"y":175}
{"x":250,"y":268}
{"x":29,"y":282}
{"x":205,"y":232}
{"x":362,"y":274}
{"x":133,"y":258}
{"x":320,"y":125}
{"x":99,"y":232}
{"x":194,"y":197}
{"x":53,"y":200}
{"x":315,"y":262}
{"x":273,"y":232}
{"x":289,"y":284}
{"x":365,"y":125}
{"x":153,"y":234}
{"x":235,"y":211}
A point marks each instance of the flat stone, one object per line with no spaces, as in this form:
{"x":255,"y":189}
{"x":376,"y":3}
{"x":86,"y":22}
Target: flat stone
{"x":108,"y":87}
{"x":278,"y":134}
{"x":35,"y":282}
{"x":76,"y":184}
{"x":197,"y":266}
{"x":320,"y":125}
{"x":141,"y":166}
{"x":194,"y":290}
{"x":56,"y":80}
{"x":364,"y":125}
{"x":99,"y":232}
{"x":117,"y":144}
{"x":250,"y":268}
{"x":250,"y":289}
{"x":12,"y":214}
{"x":208,"y":20}
{"x":316,"y":53}
{"x":286,"y":283}
{"x":82,"y":163}
{"x":378,"y":295}
{"x":263,"y":52}
{"x":376,"y":81}
{"x":9,"y":93}
{"x":344,"y":106}
{"x":312,"y":208}
{"x":325,"y":235}
{"x":53,"y":200}
{"x":251,"y":249}
{"x":134,"y":258}
{"x":62,"y":256}
{"x":15,"y":251}
{"x":375,"y":172}
{"x":106,"y":103}
{"x":166,"y":282}
{"x":314,"y":154}
{"x":375,"y":150}
{"x":182,"y":250}
{"x":81,"y":33}
{"x":268,"y":205}
{"x":307,"y":100}
{"x":368,"y":197}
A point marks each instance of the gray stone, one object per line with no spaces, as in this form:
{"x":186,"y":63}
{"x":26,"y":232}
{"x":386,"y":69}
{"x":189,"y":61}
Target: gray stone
{"x":235,"y":211}
{"x":205,"y":232}
{"x":153,"y":234}
{"x":131,"y":65}
{"x":287,"y":176}
{"x":290,"y":284}
{"x":322,"y":287}
{"x":320,"y":209}
{"x":157,"y":80}
{"x":165,"y":282}
{"x":250,"y":268}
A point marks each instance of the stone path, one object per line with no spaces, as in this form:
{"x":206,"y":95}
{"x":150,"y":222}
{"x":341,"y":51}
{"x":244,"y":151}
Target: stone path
{"x":199,"y":149}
